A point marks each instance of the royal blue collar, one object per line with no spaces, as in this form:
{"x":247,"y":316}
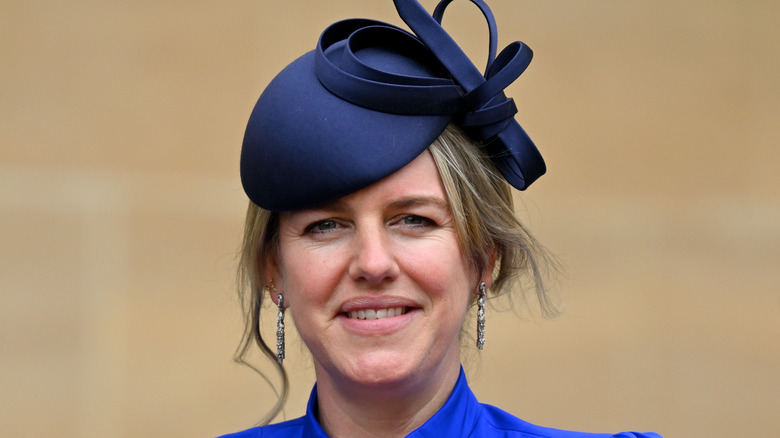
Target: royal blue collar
{"x":457,"y":417}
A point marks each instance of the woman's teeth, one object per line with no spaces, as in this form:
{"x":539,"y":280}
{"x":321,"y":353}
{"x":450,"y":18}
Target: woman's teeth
{"x":377,"y":313}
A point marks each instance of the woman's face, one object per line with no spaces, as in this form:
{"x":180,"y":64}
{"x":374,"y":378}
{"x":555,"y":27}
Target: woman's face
{"x":376,"y":282}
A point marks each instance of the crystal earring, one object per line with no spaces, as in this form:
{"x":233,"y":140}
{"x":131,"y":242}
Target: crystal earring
{"x":481,"y":315}
{"x":280,"y":329}
{"x":279,"y":323}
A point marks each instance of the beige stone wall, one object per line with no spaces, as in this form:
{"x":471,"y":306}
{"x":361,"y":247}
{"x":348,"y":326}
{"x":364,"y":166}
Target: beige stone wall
{"x":121,"y":209}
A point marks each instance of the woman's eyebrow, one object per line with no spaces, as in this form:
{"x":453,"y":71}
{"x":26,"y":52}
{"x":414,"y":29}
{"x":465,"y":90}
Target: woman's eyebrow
{"x":333,"y":206}
{"x":339,"y":205}
{"x":415,"y":201}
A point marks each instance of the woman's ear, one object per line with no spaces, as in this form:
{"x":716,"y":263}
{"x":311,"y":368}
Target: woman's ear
{"x":272,"y":277}
{"x":487,"y":271}
{"x":273,"y":292}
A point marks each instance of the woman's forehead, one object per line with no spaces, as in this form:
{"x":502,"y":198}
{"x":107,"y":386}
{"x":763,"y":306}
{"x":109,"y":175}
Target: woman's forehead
{"x":420,"y":175}
{"x":415,"y":184}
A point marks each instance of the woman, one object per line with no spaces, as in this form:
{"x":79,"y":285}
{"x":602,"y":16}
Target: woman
{"x":378,"y":168}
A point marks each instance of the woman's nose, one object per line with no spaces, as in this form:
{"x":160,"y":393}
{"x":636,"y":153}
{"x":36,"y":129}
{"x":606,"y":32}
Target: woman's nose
{"x":373,"y":261}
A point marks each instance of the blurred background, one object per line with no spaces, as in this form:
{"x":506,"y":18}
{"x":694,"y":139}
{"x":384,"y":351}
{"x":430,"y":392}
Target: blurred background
{"x":121,"y":212}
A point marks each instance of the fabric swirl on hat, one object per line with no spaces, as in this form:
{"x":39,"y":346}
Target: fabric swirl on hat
{"x":370,"y":98}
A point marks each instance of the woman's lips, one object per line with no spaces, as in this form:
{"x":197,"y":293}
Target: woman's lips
{"x":381,"y":313}
{"x":376,"y":302}
{"x":377,"y":320}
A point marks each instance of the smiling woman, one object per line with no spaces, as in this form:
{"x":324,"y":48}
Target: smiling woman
{"x":392,"y":244}
{"x":378,"y":169}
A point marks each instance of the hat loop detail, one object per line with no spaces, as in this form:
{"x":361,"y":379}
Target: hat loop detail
{"x":438,"y":14}
{"x":511,"y":149}
{"x":358,"y":83}
{"x":442,"y":80}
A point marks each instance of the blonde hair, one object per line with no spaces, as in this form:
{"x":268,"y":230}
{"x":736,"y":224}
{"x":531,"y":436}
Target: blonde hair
{"x":487,"y":226}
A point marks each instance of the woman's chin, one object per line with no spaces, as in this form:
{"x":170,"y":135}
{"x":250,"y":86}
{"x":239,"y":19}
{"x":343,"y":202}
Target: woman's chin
{"x":381,"y":370}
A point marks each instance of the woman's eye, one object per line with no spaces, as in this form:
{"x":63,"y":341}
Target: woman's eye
{"x":322,"y":226}
{"x":416,"y":220}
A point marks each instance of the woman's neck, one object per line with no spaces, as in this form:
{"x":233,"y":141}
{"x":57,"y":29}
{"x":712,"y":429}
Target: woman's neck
{"x":347,"y":409}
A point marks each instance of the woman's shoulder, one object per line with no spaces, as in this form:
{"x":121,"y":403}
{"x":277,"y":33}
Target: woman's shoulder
{"x":291,"y":428}
{"x":507,"y":425}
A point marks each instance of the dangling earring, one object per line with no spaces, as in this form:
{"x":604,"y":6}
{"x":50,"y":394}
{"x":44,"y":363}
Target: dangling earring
{"x":279,"y":323}
{"x":481,"y":315}
{"x":280,"y":329}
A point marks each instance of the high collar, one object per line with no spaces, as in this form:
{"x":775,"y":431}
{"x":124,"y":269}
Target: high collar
{"x":457,"y":417}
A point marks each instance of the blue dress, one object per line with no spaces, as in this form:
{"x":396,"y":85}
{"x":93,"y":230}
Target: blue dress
{"x":461,"y":416}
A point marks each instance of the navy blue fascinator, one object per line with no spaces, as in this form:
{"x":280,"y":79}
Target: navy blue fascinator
{"x":369,"y":99}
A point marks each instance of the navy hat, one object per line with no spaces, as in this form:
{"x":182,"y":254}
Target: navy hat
{"x":369,"y":99}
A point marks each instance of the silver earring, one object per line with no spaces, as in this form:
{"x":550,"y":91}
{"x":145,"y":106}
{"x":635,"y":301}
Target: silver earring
{"x":280,"y":329}
{"x":481,"y":315}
